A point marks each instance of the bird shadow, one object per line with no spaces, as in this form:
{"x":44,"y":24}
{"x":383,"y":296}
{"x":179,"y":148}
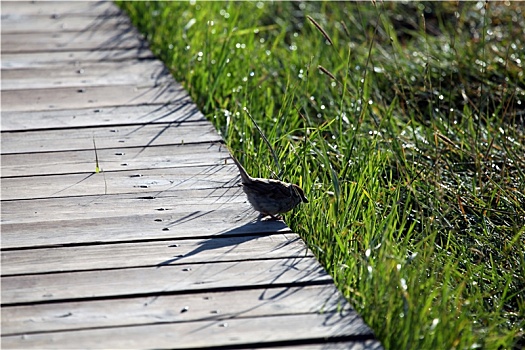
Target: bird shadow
{"x":228,"y":240}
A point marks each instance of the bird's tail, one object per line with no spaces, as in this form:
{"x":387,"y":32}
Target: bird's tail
{"x":244,"y":175}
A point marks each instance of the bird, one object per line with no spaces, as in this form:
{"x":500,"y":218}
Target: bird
{"x":268,"y":196}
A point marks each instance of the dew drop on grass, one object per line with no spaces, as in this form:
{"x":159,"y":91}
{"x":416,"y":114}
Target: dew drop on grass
{"x":403,"y":283}
{"x":435,"y":322}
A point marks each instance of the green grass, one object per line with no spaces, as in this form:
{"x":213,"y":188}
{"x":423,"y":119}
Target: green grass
{"x":409,"y":142}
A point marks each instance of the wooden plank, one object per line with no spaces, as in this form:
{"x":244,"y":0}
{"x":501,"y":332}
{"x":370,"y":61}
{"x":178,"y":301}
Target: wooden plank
{"x":157,"y":253}
{"x":130,"y":72}
{"x":66,"y":58}
{"x":25,"y":23}
{"x":154,"y":216}
{"x":165,"y":279}
{"x":118,"y":182}
{"x":188,"y":222}
{"x":248,"y":332}
{"x":89,"y":97}
{"x":68,"y":41}
{"x":181,"y":110}
{"x":136,"y":158}
{"x":112,"y":137}
{"x":58,"y":8}
{"x":117,"y":206}
{"x":168,"y":308}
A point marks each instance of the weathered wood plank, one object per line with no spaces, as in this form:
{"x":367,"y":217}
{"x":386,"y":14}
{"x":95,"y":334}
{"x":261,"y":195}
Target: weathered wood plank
{"x":113,"y":137}
{"x":58,"y":8}
{"x":115,"y":206}
{"x":226,"y":220}
{"x":148,"y":180}
{"x":249,"y":332}
{"x":67,"y":58}
{"x":182,"y":110}
{"x":149,"y":216}
{"x":158,"y":253}
{"x":68,"y":41}
{"x":130,"y":72}
{"x":89,"y":97}
{"x":169,"y":308}
{"x":136,"y":158}
{"x":26,"y":23}
{"x":165,"y":279}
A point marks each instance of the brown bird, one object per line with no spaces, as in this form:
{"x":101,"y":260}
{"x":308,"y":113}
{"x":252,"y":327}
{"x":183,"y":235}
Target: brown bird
{"x":268,"y":196}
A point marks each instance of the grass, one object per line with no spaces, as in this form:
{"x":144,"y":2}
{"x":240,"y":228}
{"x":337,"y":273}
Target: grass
{"x":404,"y":123}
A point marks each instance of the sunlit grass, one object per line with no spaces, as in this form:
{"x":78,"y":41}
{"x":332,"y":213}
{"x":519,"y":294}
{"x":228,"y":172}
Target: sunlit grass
{"x":407,"y":134}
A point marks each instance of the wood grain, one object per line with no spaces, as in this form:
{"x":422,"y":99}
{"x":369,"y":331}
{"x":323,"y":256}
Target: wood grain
{"x":249,"y":332}
{"x":115,"y":206}
{"x":156,"y":253}
{"x":69,"y":41}
{"x":59,"y":8}
{"x":70,"y":58}
{"x":182,"y":109}
{"x":179,"y":214}
{"x":164,"y":279}
{"x":186,"y":222}
{"x":108,"y":137}
{"x":111,"y":159}
{"x":26,"y":23}
{"x":127,"y":181}
{"x":88,"y":97}
{"x":131,"y":72}
{"x":73,"y":315}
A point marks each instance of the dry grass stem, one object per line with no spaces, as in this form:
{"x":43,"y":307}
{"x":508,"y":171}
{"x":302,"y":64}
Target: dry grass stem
{"x":318,"y":26}
{"x":326,"y":71}
{"x":345,"y":28}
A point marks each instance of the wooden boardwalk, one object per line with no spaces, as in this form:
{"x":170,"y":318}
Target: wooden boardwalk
{"x":161,"y":249}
